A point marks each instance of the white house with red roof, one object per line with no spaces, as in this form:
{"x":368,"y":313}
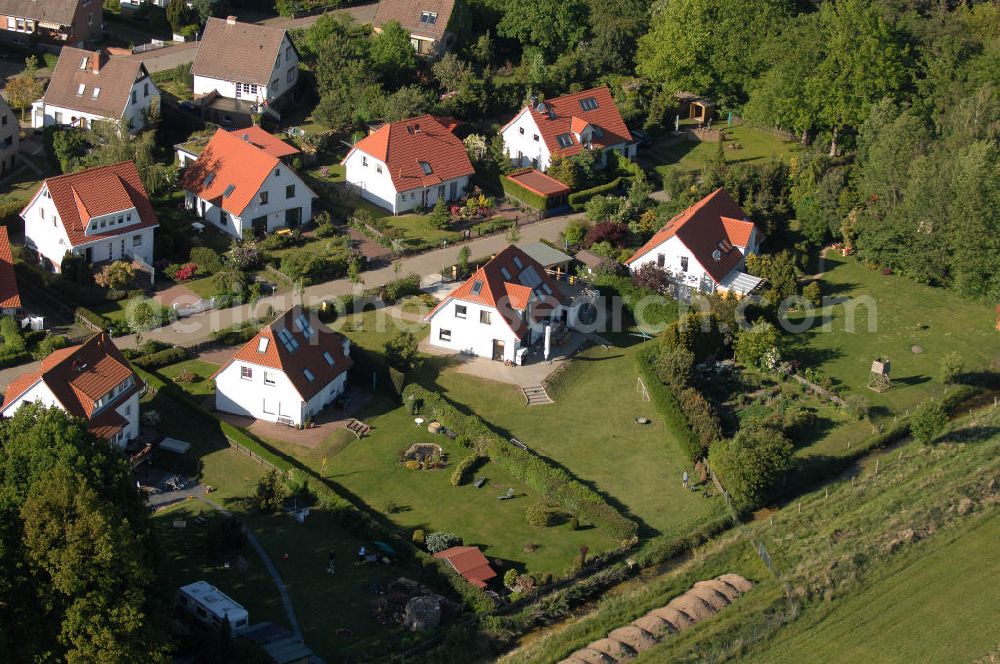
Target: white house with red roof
{"x":92,"y":381}
{"x":704,"y":248}
{"x":502,"y":308}
{"x":288,"y":373}
{"x":409,"y":164}
{"x":102,"y":214}
{"x":565,"y":126}
{"x":237,"y":183}
{"x":10,"y":296}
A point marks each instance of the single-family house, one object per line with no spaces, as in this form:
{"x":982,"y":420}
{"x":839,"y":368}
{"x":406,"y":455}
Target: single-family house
{"x":501,"y":310}
{"x":89,"y":86}
{"x":470,"y":563}
{"x":427,"y":21}
{"x":92,"y":381}
{"x":564,"y":126}
{"x":237,"y":185}
{"x":243,"y":69}
{"x":55,"y":22}
{"x":10,"y":295}
{"x":189,"y":151}
{"x":704,"y":248}
{"x":10,"y":137}
{"x":102,"y":214}
{"x":409,"y":164}
{"x":288,"y":373}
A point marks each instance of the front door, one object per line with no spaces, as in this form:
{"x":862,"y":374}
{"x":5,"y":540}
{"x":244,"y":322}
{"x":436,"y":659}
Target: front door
{"x":259,"y":226}
{"x":498,"y":347}
{"x":423,"y":198}
{"x":88,"y":254}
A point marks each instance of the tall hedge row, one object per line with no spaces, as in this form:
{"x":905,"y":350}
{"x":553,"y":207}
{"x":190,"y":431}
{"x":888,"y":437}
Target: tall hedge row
{"x":667,"y":404}
{"x":579,"y":198}
{"x":550,"y":481}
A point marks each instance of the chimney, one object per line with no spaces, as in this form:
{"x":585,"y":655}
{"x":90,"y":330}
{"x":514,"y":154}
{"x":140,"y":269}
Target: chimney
{"x":230,"y":20}
{"x":95,"y":61}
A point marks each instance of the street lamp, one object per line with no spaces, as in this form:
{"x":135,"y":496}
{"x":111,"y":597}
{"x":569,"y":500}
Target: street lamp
{"x":444,"y":260}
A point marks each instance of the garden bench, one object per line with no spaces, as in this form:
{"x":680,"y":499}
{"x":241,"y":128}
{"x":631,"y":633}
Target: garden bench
{"x":506,"y":495}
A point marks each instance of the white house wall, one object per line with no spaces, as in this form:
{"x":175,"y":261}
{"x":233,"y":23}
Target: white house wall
{"x":468,"y":335}
{"x":129,"y":410}
{"x":673,"y":250}
{"x":252,"y":397}
{"x":47,"y":115}
{"x":532,"y":153}
{"x":43,"y":229}
{"x":275,"y":185}
{"x":37,"y":393}
{"x":278,"y":83}
{"x":370,"y":177}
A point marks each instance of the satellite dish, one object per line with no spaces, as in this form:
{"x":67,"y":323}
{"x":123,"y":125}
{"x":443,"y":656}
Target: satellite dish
{"x":717,"y":255}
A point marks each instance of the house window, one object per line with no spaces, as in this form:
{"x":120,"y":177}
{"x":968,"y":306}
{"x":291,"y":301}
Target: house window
{"x":535,"y":137}
{"x":145,"y":89}
{"x":684,"y":263}
{"x":246,"y":373}
{"x":263,"y":198}
{"x":134,"y":96}
{"x":484,"y":317}
{"x":291,"y":75}
{"x":277,"y":172}
{"x":444,"y":335}
{"x":430,"y":18}
{"x":5,"y":120}
{"x":588,"y":104}
{"x":137,"y":240}
{"x":378,"y":168}
{"x":661,"y":260}
{"x":288,"y":53}
{"x":521,"y":130}
{"x":564,"y":140}
{"x":364,"y":161}
{"x":461,"y":311}
{"x":95,"y":92}
{"x":268,"y":378}
{"x":290,"y":191}
{"x":128,"y":217}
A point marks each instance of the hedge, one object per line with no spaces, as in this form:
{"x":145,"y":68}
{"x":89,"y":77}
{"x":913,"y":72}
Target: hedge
{"x":667,"y":404}
{"x":396,"y":289}
{"x":462,"y":468}
{"x":14,"y":359}
{"x":94,"y":318}
{"x":521,"y":193}
{"x":239,"y":333}
{"x":549,"y":480}
{"x":578,"y":199}
{"x":161,"y":358}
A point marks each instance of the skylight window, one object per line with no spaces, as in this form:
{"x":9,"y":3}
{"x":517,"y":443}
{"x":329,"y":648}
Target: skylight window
{"x":84,"y":62}
{"x":428,"y":17}
{"x":209,"y":179}
{"x":477,"y":287}
{"x":79,"y":91}
{"x":229,"y":190}
{"x":413,"y":129}
{"x":288,"y":340}
{"x":303,"y":326}
{"x":518,"y":263}
{"x":506,"y":273}
{"x":95,"y":93}
{"x":426,"y":168}
{"x":309,"y":375}
{"x":588,"y":103}
{"x":328,"y":358}
{"x":564,"y":140}
{"x":262,"y":344}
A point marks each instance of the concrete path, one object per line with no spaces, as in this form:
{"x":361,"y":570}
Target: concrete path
{"x":286,"y":600}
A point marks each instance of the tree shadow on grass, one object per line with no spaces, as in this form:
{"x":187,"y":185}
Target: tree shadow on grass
{"x":971,"y":434}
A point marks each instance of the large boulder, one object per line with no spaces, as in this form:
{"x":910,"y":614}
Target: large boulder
{"x":423,"y":612}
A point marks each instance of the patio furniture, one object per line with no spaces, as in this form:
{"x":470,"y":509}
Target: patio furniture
{"x":358,"y":428}
{"x":479,"y":482}
{"x":506,"y":495}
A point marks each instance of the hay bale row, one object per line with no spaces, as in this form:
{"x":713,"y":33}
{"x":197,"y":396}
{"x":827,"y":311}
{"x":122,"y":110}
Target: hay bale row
{"x":704,"y":600}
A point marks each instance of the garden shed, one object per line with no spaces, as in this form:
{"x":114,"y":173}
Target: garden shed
{"x":537,"y":190}
{"x":694,"y":107}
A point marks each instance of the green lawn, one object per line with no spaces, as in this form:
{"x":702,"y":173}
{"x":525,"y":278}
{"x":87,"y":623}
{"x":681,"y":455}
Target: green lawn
{"x":893,"y":314}
{"x":202,"y":385}
{"x":118,"y":310}
{"x":757,"y":145}
{"x":591,"y":430}
{"x":936,"y":606}
{"x":417,"y":231}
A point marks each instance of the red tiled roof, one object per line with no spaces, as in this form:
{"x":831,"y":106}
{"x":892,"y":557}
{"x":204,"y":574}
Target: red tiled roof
{"x":80,"y":375}
{"x":309,"y":352}
{"x":703,"y":230}
{"x":738,"y":230}
{"x":266,"y":141}
{"x":404,"y":145}
{"x":539,"y":183}
{"x":511,"y":294}
{"x":565,"y":115}
{"x":9,"y":296}
{"x":94,"y":192}
{"x":229,"y":161}
{"x":470,"y":562}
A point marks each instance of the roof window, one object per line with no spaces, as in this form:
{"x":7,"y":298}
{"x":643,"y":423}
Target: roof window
{"x":309,"y":375}
{"x":229,"y":190}
{"x":95,"y":92}
{"x":303,"y":326}
{"x":413,"y":128}
{"x":328,"y":357}
{"x":262,"y":344}
{"x":79,"y":91}
{"x":518,"y":263}
{"x":287,"y":340}
{"x":588,"y":103}
{"x":564,"y":140}
{"x":209,"y":179}
{"x":477,"y":287}
{"x":428,"y":17}
{"x":426,"y":168}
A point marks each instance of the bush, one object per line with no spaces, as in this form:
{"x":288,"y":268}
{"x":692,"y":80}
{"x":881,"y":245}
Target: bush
{"x":577,"y":200}
{"x":13,"y":340}
{"x":813,"y":293}
{"x":611,"y":232}
{"x":270,"y":493}
{"x":510,"y":578}
{"x":951,"y":368}
{"x":419,"y":538}
{"x":462,"y":468}
{"x":50,"y":344}
{"x":538,"y":515}
{"x":239,"y":333}
{"x":206,"y":259}
{"x":161,"y":358}
{"x":14,"y":359}
{"x":928,"y":421}
{"x":751,"y":464}
{"x":440,"y":541}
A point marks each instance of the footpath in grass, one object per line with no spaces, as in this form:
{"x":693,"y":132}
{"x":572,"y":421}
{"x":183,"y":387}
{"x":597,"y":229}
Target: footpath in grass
{"x":591,"y":431}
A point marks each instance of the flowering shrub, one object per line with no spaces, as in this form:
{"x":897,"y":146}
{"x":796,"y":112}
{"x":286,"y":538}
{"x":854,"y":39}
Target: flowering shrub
{"x":184,"y":272}
{"x":246,"y":256}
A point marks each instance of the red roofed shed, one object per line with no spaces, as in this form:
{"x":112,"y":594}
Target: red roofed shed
{"x":470,"y":562}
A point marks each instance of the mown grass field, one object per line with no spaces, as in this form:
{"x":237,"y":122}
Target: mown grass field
{"x":892,"y":314}
{"x":757,"y":145}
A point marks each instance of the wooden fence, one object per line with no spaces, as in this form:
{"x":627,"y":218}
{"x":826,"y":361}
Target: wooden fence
{"x":256,"y":457}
